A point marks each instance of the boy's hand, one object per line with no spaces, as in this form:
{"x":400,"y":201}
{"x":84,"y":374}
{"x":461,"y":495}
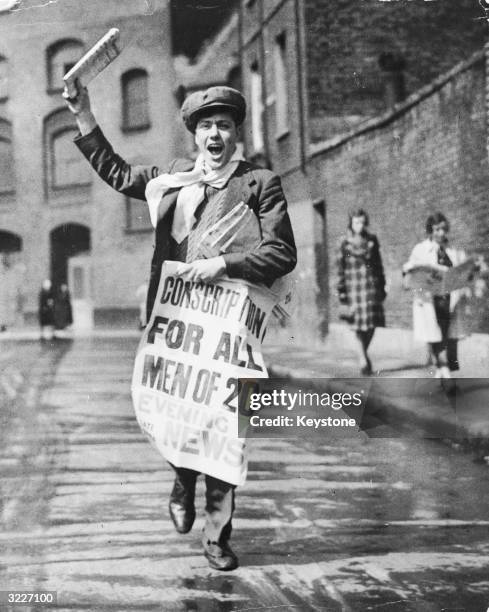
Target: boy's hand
{"x":203,"y":269}
{"x":81,"y":102}
{"x":81,"y":108}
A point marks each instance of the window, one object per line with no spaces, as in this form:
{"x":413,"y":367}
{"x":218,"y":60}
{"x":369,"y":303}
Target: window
{"x":69,"y":167}
{"x":234,"y":78}
{"x":392,"y":66}
{"x":135,"y":107}
{"x":7,"y":174}
{"x":65,"y":167}
{"x":61,"y":56}
{"x":281,"y":94}
{"x":137,"y":216}
{"x":256,"y":103}
{"x":4,"y":85}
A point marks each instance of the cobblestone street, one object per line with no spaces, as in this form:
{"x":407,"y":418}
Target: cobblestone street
{"x":356,"y":524}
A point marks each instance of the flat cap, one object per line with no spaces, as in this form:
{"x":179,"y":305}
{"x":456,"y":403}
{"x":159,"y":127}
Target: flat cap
{"x":227,"y":98}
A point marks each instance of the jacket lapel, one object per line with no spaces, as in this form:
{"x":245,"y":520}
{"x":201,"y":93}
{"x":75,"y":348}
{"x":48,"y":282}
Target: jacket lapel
{"x":167,"y":203}
{"x":238,"y":188}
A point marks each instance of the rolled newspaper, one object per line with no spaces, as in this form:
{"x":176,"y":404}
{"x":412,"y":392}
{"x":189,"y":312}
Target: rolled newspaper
{"x":93,"y":62}
{"x":237,"y":222}
{"x":239,"y":229}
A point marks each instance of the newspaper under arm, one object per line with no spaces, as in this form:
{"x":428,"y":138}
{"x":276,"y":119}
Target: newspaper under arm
{"x":237,"y":230}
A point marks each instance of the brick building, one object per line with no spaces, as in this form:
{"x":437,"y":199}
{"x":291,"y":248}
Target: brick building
{"x":56,"y":217}
{"x":363,"y":103}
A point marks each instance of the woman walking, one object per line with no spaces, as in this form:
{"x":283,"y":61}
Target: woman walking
{"x":438,"y":319}
{"x":361,"y":284}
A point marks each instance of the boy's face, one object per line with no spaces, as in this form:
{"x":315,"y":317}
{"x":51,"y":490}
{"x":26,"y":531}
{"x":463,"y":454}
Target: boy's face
{"x":216,"y":136}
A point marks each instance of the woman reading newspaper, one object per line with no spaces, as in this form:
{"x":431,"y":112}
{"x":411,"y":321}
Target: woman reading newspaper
{"x":440,"y":302}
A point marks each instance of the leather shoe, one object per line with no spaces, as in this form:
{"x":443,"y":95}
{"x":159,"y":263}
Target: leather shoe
{"x":182,"y":516}
{"x":220,"y":557}
{"x":181,"y":506}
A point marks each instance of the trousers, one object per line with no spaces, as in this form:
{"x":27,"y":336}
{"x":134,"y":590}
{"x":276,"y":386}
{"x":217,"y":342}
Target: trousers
{"x":219,"y":506}
{"x":442,"y":310}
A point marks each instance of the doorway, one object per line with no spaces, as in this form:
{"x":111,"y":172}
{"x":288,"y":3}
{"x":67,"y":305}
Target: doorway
{"x":12,"y":280}
{"x":80,"y":285}
{"x":322,"y":265}
{"x":71,"y":265}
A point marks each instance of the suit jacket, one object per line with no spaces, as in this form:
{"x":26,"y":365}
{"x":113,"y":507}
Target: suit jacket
{"x":260,"y":189}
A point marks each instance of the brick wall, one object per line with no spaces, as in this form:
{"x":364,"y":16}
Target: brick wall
{"x":431,"y":155}
{"x":345,"y":39}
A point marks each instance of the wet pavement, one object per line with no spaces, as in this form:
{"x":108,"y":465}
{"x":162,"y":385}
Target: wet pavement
{"x":357,"y":524}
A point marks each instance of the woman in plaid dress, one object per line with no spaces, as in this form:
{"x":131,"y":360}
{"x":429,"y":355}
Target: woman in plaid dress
{"x":361,"y":284}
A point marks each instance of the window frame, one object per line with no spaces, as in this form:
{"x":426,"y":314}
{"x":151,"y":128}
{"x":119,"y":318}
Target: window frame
{"x":126,"y":77}
{"x":4,"y":61}
{"x":6,"y":137}
{"x":53,"y":51}
{"x":257,"y":109}
{"x":282,"y":119}
{"x":52,"y":162}
{"x":56,"y":123}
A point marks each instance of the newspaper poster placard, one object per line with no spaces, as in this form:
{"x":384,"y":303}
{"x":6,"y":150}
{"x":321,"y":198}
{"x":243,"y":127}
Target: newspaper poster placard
{"x":458,"y":277}
{"x":424,"y":278}
{"x":201,"y":338}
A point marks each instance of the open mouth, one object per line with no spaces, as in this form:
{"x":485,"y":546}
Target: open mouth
{"x":215,"y":149}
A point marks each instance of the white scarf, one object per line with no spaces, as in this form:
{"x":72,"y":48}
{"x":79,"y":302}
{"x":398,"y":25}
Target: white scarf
{"x":192,"y":193}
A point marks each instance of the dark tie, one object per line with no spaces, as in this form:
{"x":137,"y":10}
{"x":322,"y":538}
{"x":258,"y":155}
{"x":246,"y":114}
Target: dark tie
{"x":443,"y":258}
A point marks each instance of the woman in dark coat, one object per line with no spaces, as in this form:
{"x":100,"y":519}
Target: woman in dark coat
{"x":361,"y":284}
{"x":63,"y":315}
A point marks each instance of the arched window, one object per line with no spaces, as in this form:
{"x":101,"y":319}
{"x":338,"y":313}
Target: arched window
{"x":234,"y":78}
{"x":11,"y":271}
{"x":7,"y":174}
{"x":69,"y":167}
{"x":135,"y":101}
{"x":65,"y":167}
{"x":61,"y":56}
{"x":4,"y":84}
{"x":392,"y":66}
{"x":10,"y":242}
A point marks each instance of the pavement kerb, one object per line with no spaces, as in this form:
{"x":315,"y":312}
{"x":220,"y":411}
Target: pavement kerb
{"x":34,"y":334}
{"x":405,"y":412}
